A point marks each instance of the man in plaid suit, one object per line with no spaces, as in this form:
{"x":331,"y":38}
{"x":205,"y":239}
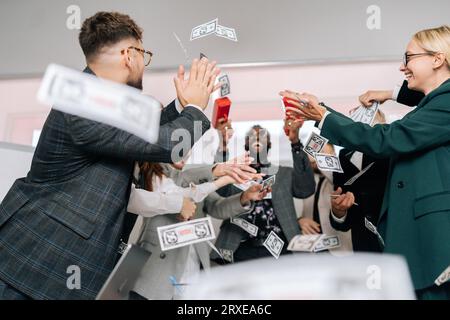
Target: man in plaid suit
{"x":66,"y":217}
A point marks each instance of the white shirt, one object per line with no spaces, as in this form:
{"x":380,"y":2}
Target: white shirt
{"x":166,"y":198}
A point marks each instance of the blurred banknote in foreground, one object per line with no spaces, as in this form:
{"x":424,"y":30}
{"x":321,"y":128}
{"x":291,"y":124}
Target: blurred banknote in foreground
{"x":87,"y":96}
{"x":309,"y":277}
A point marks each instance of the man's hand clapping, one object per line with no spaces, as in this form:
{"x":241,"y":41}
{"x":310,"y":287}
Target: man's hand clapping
{"x":197,"y":89}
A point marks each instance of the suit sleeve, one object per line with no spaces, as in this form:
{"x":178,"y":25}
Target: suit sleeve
{"x":169,"y":113}
{"x":223,"y":208}
{"x":195,"y":174}
{"x":409,"y":97}
{"x":348,"y":222}
{"x":426,"y":128}
{"x":303,"y":183}
{"x":102,"y":139}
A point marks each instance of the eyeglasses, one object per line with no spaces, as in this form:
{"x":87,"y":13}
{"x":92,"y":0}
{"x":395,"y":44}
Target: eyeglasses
{"x":146,"y":54}
{"x":407,"y":56}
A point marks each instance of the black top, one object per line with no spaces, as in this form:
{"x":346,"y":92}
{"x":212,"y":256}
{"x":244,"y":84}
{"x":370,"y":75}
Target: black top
{"x":369,"y":191}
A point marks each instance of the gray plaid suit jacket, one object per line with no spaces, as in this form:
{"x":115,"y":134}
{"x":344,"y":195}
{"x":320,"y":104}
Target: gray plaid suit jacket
{"x":295,"y":182}
{"x":70,"y":208}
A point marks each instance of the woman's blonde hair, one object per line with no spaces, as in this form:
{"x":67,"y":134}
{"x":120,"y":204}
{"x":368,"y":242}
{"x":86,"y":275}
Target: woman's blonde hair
{"x":435,"y":40}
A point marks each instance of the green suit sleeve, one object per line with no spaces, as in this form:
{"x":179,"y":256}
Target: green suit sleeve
{"x":425,"y":128}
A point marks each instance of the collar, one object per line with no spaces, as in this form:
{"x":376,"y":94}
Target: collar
{"x":89,"y":71}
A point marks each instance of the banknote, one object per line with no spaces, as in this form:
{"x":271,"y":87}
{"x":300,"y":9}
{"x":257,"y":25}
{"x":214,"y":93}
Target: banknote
{"x":315,"y":144}
{"x":225,"y":89}
{"x":326,"y":243}
{"x":185,"y":233}
{"x":114,"y":104}
{"x":268,"y":183}
{"x":225,"y":32}
{"x":274,"y":244}
{"x":356,"y":114}
{"x":305,"y":243}
{"x":365,"y":115}
{"x":204,"y":29}
{"x":227,"y":255}
{"x":245,"y":225}
{"x":350,"y":181}
{"x":328,"y":162}
{"x":369,"y":114}
{"x":443,"y":277}
{"x":369,"y":225}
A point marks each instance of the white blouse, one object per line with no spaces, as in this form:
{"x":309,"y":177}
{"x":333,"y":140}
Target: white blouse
{"x":167,"y":197}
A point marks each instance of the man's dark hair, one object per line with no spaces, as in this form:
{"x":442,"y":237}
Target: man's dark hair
{"x":106,"y":28}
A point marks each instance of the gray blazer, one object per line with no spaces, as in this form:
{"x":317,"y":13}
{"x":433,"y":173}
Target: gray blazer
{"x":153,"y":282}
{"x":70,"y":208}
{"x":295,"y":182}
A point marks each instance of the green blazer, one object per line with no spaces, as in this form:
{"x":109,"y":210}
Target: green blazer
{"x":415,"y":216}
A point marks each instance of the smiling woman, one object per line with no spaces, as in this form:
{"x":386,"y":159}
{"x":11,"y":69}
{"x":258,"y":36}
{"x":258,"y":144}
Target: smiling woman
{"x":414,"y":220}
{"x":426,"y":53}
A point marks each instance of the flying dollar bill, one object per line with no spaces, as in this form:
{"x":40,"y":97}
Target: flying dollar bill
{"x":245,"y":225}
{"x":274,"y":244}
{"x":350,"y":181}
{"x":328,"y":162}
{"x":227,"y":33}
{"x":369,"y":225}
{"x":185,"y":233}
{"x":104,"y":101}
{"x":204,"y":29}
{"x":225,"y":89}
{"x":315,"y":144}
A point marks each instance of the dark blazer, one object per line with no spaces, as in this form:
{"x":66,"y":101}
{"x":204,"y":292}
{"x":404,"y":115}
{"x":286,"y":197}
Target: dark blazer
{"x":69,"y":210}
{"x":368,"y":190}
{"x":295,"y":182}
{"x":414,"y":219}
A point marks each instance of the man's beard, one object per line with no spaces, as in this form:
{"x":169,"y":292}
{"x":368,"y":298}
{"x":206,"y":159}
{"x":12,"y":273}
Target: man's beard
{"x":136,"y":84}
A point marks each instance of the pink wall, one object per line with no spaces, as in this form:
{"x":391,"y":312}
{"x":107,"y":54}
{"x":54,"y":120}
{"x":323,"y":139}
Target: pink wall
{"x":254,"y":92}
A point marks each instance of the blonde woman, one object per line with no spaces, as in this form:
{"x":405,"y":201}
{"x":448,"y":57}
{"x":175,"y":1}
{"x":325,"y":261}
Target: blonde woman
{"x":415,"y":216}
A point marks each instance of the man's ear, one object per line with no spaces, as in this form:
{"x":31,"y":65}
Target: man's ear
{"x":127,"y":59}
